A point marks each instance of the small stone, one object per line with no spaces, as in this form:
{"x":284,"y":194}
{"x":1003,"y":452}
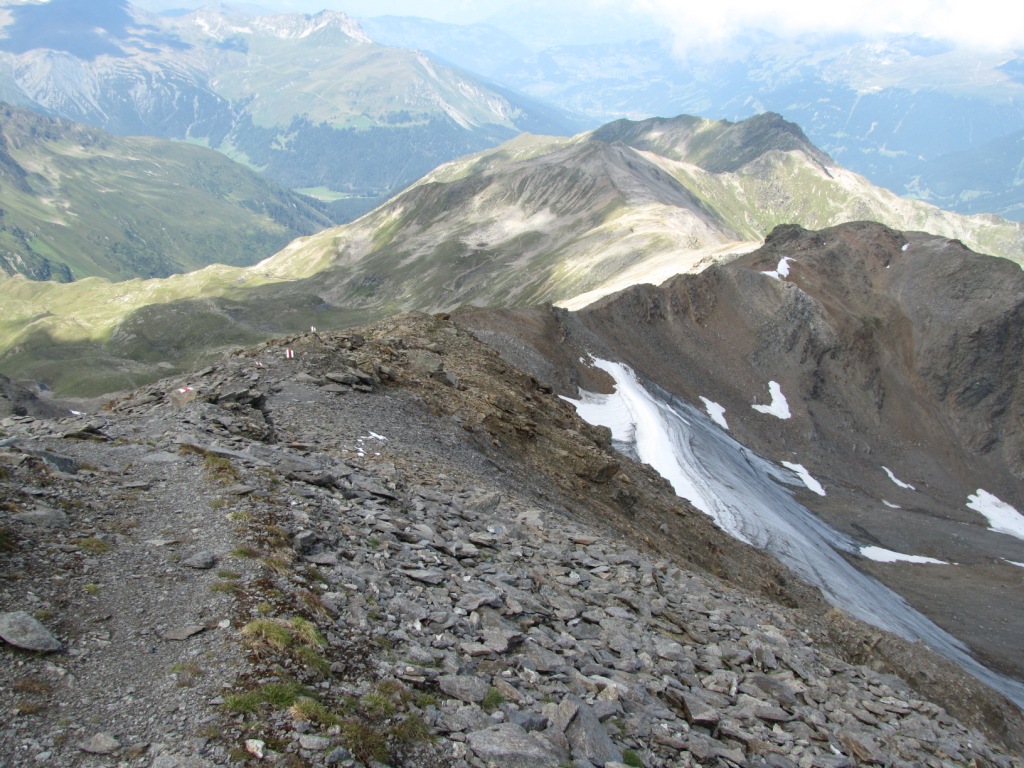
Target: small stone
{"x":338,"y":755}
{"x":698,"y":711}
{"x":706,"y":749}
{"x":88,"y":432}
{"x":304,"y":542}
{"x":200,"y":560}
{"x":45,"y":517}
{"x":771,"y":714}
{"x":183,"y":396}
{"x":322,"y":558}
{"x":861,"y":746}
{"x":587,"y":736}
{"x":463,"y":687}
{"x":100,"y":744}
{"x":255,"y":747}
{"x":314,"y":743}
{"x":22,"y":630}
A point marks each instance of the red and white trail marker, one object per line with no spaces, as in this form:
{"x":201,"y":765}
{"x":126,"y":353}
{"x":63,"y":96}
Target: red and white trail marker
{"x":289,"y":354}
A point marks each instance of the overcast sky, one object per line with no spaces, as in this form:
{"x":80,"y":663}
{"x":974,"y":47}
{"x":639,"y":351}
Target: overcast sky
{"x":978,"y":23}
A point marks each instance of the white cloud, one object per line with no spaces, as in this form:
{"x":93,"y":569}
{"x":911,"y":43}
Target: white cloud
{"x":976,"y":23}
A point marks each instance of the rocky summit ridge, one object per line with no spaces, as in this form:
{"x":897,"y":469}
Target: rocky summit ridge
{"x":393,"y":547}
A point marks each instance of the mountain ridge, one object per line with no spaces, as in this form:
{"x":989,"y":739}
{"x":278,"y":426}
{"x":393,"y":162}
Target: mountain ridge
{"x":889,"y":108}
{"x":535,"y":220}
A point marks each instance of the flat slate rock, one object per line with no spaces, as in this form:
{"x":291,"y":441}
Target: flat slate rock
{"x":183,"y":633}
{"x":509,"y":746}
{"x":464,"y":687}
{"x":100,"y":744}
{"x":20,"y":629}
{"x":431,"y":576}
{"x":203,"y":560}
{"x":45,"y":517}
{"x":161,"y":457}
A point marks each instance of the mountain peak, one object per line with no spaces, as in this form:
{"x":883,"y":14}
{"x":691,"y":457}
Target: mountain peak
{"x":292,"y":26}
{"x":718,"y":146}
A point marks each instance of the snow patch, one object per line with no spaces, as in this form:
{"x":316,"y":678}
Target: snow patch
{"x":905,"y":246}
{"x":880,"y":555}
{"x":890,"y":505}
{"x":779,"y":407}
{"x":745,"y":496}
{"x":1001,"y":517}
{"x":809,"y":481}
{"x":896,"y":480}
{"x":780,"y":271}
{"x":715,"y":411}
{"x":634,"y":416}
{"x":1011,"y":562}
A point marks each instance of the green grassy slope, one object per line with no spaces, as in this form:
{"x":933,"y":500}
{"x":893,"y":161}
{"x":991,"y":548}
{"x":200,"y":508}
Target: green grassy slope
{"x":78,"y":202}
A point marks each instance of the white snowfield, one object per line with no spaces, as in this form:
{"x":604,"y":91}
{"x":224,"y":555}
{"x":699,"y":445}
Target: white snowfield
{"x":804,"y":475}
{"x":888,"y":556}
{"x":779,"y":407}
{"x":746,"y":495}
{"x":635,"y":417}
{"x":780,"y":271}
{"x":896,"y":480}
{"x":1001,"y":517}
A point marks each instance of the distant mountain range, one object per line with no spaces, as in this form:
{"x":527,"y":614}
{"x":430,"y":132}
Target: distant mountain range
{"x":891,"y":110}
{"x":355,"y":112}
{"x":76,"y":202}
{"x":309,"y":101}
{"x":534,"y":220}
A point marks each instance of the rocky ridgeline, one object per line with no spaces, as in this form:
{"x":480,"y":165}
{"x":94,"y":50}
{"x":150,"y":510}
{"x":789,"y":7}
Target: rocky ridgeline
{"x":358,"y":556}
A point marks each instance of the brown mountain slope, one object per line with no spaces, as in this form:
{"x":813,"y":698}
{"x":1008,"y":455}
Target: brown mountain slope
{"x":896,"y":351}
